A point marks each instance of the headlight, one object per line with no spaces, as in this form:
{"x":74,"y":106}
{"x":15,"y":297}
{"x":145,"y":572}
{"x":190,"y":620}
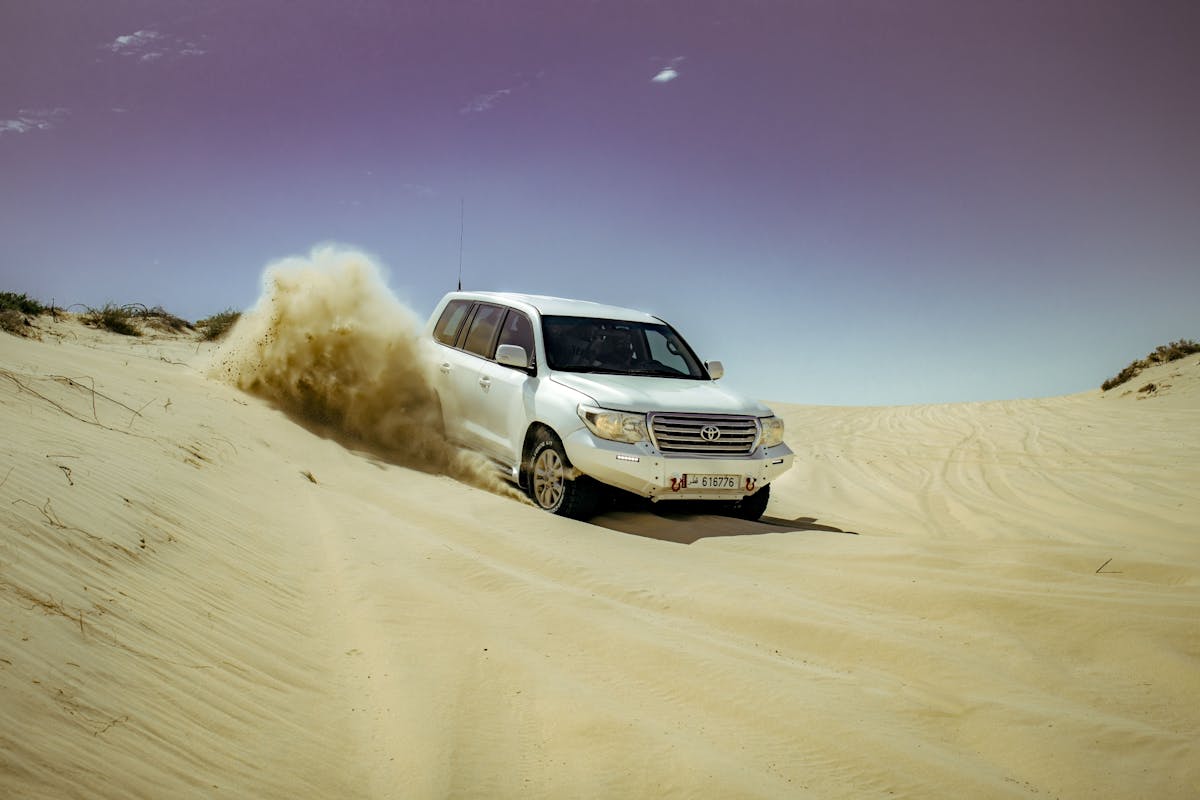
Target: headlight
{"x":772,"y":431}
{"x":617,"y":426}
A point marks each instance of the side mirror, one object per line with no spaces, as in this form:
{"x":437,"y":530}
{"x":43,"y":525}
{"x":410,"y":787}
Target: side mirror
{"x":512,"y":355}
{"x":715,"y":369}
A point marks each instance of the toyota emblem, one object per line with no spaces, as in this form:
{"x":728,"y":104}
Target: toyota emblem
{"x":710,"y":433}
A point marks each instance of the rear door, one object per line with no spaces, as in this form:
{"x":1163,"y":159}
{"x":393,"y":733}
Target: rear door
{"x":449,"y":329}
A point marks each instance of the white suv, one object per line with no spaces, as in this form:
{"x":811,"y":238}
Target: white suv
{"x":572,"y":397}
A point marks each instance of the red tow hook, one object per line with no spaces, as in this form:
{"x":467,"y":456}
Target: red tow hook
{"x":678,"y":483}
{"x":750,"y":484}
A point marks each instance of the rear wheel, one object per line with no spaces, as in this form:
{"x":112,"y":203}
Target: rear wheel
{"x":753,"y":506}
{"x":549,"y":487}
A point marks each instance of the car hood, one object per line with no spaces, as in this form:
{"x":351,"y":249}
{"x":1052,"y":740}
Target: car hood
{"x":641,"y":393}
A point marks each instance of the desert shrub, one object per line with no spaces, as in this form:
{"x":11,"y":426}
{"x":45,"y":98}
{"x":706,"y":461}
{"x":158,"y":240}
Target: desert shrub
{"x":1124,"y":375}
{"x":1173,"y":351}
{"x":217,"y":325}
{"x":118,"y":319}
{"x":12,"y":321}
{"x":1162,"y":354}
{"x":10,"y":301}
{"x":160,"y":319}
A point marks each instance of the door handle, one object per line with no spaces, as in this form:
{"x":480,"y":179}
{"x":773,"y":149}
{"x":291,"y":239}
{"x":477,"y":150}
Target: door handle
{"x":485,"y":382}
{"x":444,"y":367}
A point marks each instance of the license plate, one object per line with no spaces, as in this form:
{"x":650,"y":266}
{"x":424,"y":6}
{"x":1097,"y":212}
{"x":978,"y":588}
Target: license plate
{"x":713,"y":481}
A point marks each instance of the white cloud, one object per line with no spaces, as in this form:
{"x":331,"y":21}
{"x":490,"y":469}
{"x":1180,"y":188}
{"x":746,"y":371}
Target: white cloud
{"x":484,"y":102}
{"x":14,"y":126}
{"x":668,"y":73}
{"x":151,"y":45}
{"x":517,"y":84}
{"x":33,"y":119}
{"x":134,"y":43}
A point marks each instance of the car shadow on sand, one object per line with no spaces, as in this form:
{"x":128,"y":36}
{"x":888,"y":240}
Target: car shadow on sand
{"x":682,"y":527}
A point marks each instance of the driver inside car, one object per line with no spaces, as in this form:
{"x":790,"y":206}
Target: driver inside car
{"x":614,"y":351}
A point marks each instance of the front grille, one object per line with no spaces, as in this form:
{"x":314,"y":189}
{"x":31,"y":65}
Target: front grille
{"x":691,"y":434}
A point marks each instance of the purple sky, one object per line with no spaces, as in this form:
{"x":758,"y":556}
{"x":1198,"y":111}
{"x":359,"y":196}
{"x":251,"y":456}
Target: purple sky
{"x":846,"y":202}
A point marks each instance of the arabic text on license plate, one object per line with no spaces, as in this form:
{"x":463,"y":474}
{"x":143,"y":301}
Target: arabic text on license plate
{"x":712,"y":481}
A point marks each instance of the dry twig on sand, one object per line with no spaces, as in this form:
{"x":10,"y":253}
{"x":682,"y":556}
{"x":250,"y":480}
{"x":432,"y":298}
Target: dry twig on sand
{"x":46,"y":511}
{"x":73,"y":382}
{"x":22,"y":385}
{"x":116,"y":721}
{"x":138,"y":413}
{"x":48,"y":605}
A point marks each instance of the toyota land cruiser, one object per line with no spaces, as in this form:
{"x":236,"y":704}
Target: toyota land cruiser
{"x":572,"y":397}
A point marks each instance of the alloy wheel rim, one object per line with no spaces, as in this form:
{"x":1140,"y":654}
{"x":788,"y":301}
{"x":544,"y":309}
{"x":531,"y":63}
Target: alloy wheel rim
{"x":548,"y":479}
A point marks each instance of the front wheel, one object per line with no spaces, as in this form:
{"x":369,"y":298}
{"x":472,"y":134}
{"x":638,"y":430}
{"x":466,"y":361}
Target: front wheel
{"x":552,"y":491}
{"x":753,"y":506}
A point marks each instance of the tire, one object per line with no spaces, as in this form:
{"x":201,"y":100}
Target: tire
{"x":753,"y":506}
{"x":549,"y":487}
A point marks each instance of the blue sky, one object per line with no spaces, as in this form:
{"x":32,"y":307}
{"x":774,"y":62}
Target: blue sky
{"x":846,"y":202}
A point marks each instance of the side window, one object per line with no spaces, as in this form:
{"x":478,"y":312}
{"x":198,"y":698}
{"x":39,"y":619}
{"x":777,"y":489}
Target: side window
{"x":518,"y":331}
{"x":483,"y":330}
{"x":451,"y":320}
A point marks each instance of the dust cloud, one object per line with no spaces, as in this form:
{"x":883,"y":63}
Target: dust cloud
{"x":330,"y":344}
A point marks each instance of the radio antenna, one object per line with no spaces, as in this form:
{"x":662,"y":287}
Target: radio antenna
{"x":461,"y":204}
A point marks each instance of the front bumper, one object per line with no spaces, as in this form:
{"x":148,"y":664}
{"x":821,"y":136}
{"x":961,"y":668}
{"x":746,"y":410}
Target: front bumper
{"x":643,"y":470}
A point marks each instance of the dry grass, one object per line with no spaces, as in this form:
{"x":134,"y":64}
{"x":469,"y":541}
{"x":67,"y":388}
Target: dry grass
{"x":110,"y":317}
{"x":216,"y":326}
{"x":1161,"y":355}
{"x":15,"y":311}
{"x":13,"y":321}
{"x":21,"y":303}
{"x":130,"y":319}
{"x":160,"y":319}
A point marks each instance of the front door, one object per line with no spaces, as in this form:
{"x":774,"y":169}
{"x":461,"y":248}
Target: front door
{"x":503,"y":416}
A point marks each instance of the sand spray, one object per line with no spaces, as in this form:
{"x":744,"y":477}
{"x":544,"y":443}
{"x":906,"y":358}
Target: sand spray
{"x":329,"y":343}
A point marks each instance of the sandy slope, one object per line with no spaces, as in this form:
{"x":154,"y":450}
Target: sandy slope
{"x":985,"y":600}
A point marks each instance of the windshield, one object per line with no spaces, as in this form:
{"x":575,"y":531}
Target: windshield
{"x":618,"y":347}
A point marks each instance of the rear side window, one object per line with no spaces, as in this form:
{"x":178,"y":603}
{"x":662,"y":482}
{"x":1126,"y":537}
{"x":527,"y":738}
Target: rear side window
{"x":482,"y":333}
{"x":451,"y":320}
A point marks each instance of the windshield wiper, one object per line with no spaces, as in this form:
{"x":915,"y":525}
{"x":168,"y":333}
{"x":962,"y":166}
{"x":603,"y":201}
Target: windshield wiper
{"x":585,"y":368}
{"x":657,"y":373}
{"x":604,"y":371}
{"x":641,"y":373}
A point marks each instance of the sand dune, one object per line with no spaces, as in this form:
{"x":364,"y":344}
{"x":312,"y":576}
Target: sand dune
{"x":202,"y":597}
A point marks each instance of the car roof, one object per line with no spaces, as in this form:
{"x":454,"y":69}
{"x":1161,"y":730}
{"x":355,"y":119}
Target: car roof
{"x":560,"y":306}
